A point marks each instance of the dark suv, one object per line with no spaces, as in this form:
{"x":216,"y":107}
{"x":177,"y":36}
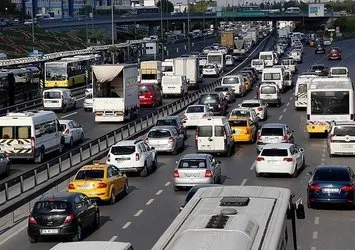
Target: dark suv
{"x":215,"y":101}
{"x":319,"y":69}
{"x":175,"y":121}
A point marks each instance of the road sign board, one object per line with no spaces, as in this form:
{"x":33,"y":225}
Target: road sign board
{"x":316,"y":10}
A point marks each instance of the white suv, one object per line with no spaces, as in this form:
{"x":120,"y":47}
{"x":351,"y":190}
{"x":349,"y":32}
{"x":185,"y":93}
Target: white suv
{"x":133,"y":156}
{"x":341,"y":140}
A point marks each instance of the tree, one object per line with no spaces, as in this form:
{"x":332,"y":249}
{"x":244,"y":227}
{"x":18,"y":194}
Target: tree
{"x":167,"y":6}
{"x":8,"y":8}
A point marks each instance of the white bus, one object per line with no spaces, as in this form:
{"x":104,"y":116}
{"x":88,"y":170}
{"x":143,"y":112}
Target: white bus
{"x":234,"y":217}
{"x":301,"y":89}
{"x":216,"y":57}
{"x":329,"y":99}
{"x":30,"y":135}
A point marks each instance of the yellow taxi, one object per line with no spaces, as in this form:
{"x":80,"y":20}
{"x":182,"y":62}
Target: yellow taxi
{"x":245,"y":129}
{"x":100,"y":181}
{"x":248,"y":83}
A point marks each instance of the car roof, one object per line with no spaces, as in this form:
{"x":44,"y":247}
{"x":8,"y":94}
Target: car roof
{"x":195,"y":156}
{"x":278,"y":146}
{"x":126,"y":143}
{"x":273,"y":125}
{"x":60,"y":196}
{"x":331,"y":167}
{"x":162,"y":128}
{"x":170,"y":117}
{"x":95,"y":166}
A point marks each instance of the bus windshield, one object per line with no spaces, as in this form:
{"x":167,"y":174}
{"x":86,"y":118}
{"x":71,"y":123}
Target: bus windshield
{"x":56,"y":72}
{"x":330,"y":102}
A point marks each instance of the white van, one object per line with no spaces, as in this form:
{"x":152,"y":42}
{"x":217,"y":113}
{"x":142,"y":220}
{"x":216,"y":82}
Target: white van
{"x":236,"y":82}
{"x":214,"y":135}
{"x":301,"y":89}
{"x":93,"y":245}
{"x":290,"y":64}
{"x":30,"y":135}
{"x":58,"y":99}
{"x":276,"y":75}
{"x":168,"y":67}
{"x":338,"y":72}
{"x":174,"y":85}
{"x":269,"y":93}
{"x":268,"y":57}
{"x":257,"y":64}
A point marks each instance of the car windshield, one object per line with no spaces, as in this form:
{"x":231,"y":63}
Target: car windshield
{"x":251,"y":105}
{"x":162,"y":133}
{"x":238,"y":123}
{"x":274,"y":152}
{"x":339,"y":72}
{"x":90,"y":174}
{"x":272,"y":76}
{"x":230,"y":80}
{"x":123,"y":150}
{"x":167,"y":122}
{"x":193,"y":163}
{"x":268,"y":90}
{"x":331,"y":175}
{"x":208,"y":99}
{"x":51,"y":207}
{"x":195,"y":109}
{"x":52,"y":95}
{"x":259,"y":62}
{"x":271,"y":132}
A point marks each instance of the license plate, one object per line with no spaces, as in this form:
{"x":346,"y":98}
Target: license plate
{"x":347,"y":146}
{"x":49,"y":231}
{"x":84,"y":187}
{"x":330,"y":190}
{"x":273,"y":162}
{"x":238,"y":131}
{"x":272,"y":140}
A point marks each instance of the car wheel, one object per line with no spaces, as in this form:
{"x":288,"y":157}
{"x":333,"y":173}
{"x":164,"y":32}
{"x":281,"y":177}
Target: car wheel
{"x":155,"y":163}
{"x":96,"y":223}
{"x":40,"y":157}
{"x":295,"y":173}
{"x":309,"y":204}
{"x":82,"y":137}
{"x":125,"y":188}
{"x":144,"y":171}
{"x":71,"y":143}
{"x":257,"y":174}
{"x":7,"y":170}
{"x":61,"y":148}
{"x":176,"y":189}
{"x":113,"y":197}
{"x":79,"y":233}
{"x":175,"y":151}
{"x":32,"y":239}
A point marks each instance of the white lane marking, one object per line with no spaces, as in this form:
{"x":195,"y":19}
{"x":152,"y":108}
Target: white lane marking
{"x":126,"y":225}
{"x":149,"y":202}
{"x":13,"y":235}
{"x":159,"y":192}
{"x":315,"y":235}
{"x":138,"y":213}
{"x":316,"y":220}
{"x":243,"y":182}
{"x":280,"y":117}
{"x":253,"y":166}
{"x":80,"y":98}
{"x":113,"y":238}
{"x":65,"y":116}
{"x":291,"y":98}
{"x":287,"y":104}
{"x":313,"y":248}
{"x":167,"y":184}
{"x":284,"y":110}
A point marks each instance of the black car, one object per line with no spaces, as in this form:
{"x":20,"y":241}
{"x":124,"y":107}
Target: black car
{"x":193,"y":191}
{"x":331,"y":185}
{"x":62,"y":215}
{"x":215,"y":101}
{"x":319,"y":69}
{"x":320,"y":49}
{"x":239,"y":57}
{"x":175,"y":121}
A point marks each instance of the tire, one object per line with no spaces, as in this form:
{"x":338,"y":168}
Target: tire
{"x":82,"y":137}
{"x":113,"y":197}
{"x":295,"y":174}
{"x":155,"y":163}
{"x":257,"y":174}
{"x":61,"y":148}
{"x":32,"y":240}
{"x":79,"y":233}
{"x":309,"y":204}
{"x":74,"y":106}
{"x":86,"y":109}
{"x":40,"y":157}
{"x":96,"y":223}
{"x":71,"y":143}
{"x":175,"y":150}
{"x":125,"y":188}
{"x":144,"y":172}
{"x":176,"y":189}
{"x":7,"y":170}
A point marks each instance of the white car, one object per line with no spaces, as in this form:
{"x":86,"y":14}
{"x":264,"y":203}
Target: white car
{"x":207,"y":50}
{"x":280,"y":158}
{"x":258,"y":105}
{"x":229,"y":60}
{"x":341,"y":140}
{"x":327,"y":41}
{"x":88,"y":102}
{"x":210,"y":70}
{"x":295,"y":55}
{"x":72,"y":132}
{"x":194,"y":113}
{"x":223,"y":50}
{"x":257,"y":64}
{"x":133,"y":156}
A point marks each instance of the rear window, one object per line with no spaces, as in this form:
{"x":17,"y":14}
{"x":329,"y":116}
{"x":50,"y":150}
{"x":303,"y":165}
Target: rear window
{"x":243,"y":113}
{"x":123,"y":150}
{"x":159,"y":133}
{"x":208,"y":99}
{"x":12,"y":132}
{"x":219,"y":130}
{"x":251,"y":105}
{"x":344,"y":130}
{"x":195,"y":109}
{"x":274,"y":152}
{"x":230,"y":80}
{"x":90,"y":174}
{"x":88,"y":96}
{"x":257,"y":63}
{"x":167,"y":122}
{"x":209,"y":67}
{"x":144,"y":89}
{"x":272,"y":132}
{"x":318,"y":67}
{"x":334,"y":50}
{"x":272,"y":76}
{"x":339,"y":72}
{"x":331,"y":175}
{"x":51,"y":207}
{"x":52,"y":95}
{"x":238,"y":123}
{"x":193,"y":163}
{"x":268,"y":90}
{"x":205,"y":131}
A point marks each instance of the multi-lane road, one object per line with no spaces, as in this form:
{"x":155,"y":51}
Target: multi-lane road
{"x":152,"y":204}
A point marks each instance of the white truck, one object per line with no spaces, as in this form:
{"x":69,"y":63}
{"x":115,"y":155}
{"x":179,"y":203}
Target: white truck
{"x":150,"y":72}
{"x":216,"y":57}
{"x":115,"y":94}
{"x":189,"y":67}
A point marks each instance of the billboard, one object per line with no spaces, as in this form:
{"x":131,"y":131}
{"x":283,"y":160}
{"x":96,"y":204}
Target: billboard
{"x":316,"y":10}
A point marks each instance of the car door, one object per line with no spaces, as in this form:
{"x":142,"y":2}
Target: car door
{"x":72,"y":130}
{"x":151,"y":152}
{"x":80,"y":210}
{"x":117,"y":179}
{"x":3,"y":163}
{"x":90,"y":209}
{"x":296,"y":155}
{"x":146,"y":153}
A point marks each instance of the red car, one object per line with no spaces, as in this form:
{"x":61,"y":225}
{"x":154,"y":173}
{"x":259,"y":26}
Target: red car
{"x":334,"y":54}
{"x":149,"y":94}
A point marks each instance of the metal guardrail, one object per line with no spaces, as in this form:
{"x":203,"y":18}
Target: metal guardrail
{"x":15,"y":192}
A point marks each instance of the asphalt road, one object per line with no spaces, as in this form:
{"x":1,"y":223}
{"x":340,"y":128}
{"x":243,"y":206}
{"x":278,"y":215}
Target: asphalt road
{"x":142,"y":216}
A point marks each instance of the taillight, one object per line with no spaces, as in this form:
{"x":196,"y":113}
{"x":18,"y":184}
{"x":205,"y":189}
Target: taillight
{"x":176,"y":174}
{"x":32,"y":220}
{"x":171,"y":139}
{"x":260,"y":109}
{"x":137,"y":156}
{"x":66,"y":132}
{"x":288,"y":159}
{"x":71,"y":186}
{"x":260,"y":159}
{"x":347,"y":188}
{"x":258,"y":137}
{"x":146,"y":140}
{"x":102,"y":185}
{"x":208,"y":173}
{"x":108,"y":158}
{"x":69,"y":218}
{"x":314,"y":187}
{"x":247,"y":131}
{"x":284,"y":138}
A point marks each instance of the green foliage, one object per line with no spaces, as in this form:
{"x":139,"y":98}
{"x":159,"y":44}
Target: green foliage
{"x":8,"y":8}
{"x":346,"y":24}
{"x":167,"y":6}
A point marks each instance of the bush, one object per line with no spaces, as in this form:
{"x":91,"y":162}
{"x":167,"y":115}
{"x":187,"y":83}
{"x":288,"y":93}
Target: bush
{"x":346,"y":23}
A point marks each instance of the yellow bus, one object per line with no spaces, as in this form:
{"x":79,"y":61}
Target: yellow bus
{"x":69,"y":72}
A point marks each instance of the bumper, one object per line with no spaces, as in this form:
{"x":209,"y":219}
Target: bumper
{"x":190,"y":182}
{"x":207,"y":151}
{"x":242,"y":138}
{"x":190,"y":123}
{"x":146,"y":102}
{"x":88,"y":105}
{"x":311,"y":128}
{"x":111,"y":118}
{"x":95,"y":194}
{"x":271,"y":101}
{"x":275,"y":169}
{"x":342,"y":148}
{"x":35,"y":231}
{"x":52,"y":108}
{"x":334,"y":57}
{"x":344,"y":201}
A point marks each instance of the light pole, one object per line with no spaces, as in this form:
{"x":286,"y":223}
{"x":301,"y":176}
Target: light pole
{"x":113,"y":32}
{"x":33,"y":23}
{"x":188,"y":26}
{"x":161,"y":30}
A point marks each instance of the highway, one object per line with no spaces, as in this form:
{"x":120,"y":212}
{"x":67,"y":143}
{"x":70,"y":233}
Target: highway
{"x":152,"y":204}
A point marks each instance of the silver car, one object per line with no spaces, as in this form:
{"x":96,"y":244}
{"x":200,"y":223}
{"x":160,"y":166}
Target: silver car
{"x":88,"y":102}
{"x":72,"y":132}
{"x":228,"y":93}
{"x":4,"y":164}
{"x":165,"y":139}
{"x":195,"y":169}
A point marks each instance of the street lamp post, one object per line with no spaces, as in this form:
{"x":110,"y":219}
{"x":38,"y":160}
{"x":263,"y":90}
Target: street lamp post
{"x":113,"y":32}
{"x":161,"y":30}
{"x":188,"y":26}
{"x":33,"y":25}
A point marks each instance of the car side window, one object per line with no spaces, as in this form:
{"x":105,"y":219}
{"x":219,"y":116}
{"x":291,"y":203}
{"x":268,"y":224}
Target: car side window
{"x":147,"y":147}
{"x":71,"y":125}
{"x":142,"y":148}
{"x":78,"y":203}
{"x":109,"y":172}
{"x":84,"y":200}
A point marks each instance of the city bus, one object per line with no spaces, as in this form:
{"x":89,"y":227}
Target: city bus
{"x":328,"y":99}
{"x":235,"y":218}
{"x":69,"y":72}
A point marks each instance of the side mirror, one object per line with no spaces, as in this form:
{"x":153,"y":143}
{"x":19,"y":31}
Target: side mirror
{"x":310,"y":173}
{"x":266,"y":104}
{"x":210,"y":108}
{"x":239,"y":105}
{"x":233,"y":131}
{"x":292,"y":131}
{"x":219,"y":162}
{"x":301,"y":150}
